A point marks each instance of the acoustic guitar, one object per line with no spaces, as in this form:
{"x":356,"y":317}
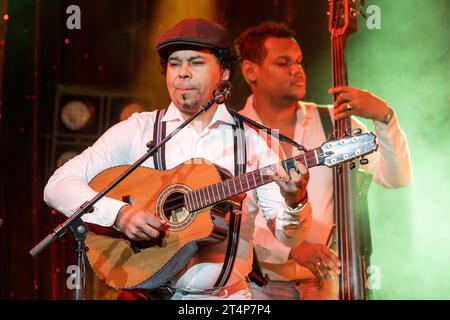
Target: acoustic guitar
{"x":194,"y":198}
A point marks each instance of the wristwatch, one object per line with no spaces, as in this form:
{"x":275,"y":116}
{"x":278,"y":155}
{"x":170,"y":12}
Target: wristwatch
{"x":300,"y":206}
{"x":388,"y":117}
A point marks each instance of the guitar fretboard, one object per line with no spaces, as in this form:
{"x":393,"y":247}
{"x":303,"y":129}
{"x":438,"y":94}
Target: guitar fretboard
{"x":212,"y":194}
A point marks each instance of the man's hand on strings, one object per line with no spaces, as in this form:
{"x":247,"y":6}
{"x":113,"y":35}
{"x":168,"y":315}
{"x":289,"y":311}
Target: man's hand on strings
{"x":319,"y":259}
{"x":138,"y":224}
{"x":352,"y":101}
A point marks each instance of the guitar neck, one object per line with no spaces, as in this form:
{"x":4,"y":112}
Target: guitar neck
{"x":212,"y":194}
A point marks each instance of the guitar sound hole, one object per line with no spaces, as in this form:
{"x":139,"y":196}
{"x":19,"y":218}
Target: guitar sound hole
{"x":174,"y":208}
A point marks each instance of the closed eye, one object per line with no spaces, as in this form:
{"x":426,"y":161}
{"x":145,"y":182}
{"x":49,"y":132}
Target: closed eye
{"x":198,"y":62}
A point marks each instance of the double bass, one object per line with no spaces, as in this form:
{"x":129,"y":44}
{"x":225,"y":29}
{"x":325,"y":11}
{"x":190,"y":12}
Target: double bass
{"x":352,"y":232}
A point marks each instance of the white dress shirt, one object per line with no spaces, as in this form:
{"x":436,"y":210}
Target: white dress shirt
{"x":390,"y":167}
{"x":125,"y":142}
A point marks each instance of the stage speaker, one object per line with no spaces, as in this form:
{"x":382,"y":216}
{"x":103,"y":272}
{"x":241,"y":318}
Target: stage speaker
{"x":81,"y":115}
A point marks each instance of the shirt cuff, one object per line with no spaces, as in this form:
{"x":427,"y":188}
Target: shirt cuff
{"x":291,"y":228}
{"x":295,"y":212}
{"x":105,"y":212}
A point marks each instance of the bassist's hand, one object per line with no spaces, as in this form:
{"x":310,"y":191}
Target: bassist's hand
{"x":319,"y":259}
{"x":362,"y":103}
{"x":138,"y":224}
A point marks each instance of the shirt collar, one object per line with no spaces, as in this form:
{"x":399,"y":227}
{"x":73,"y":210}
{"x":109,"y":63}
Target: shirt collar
{"x":250,"y":112}
{"x":220,"y":116}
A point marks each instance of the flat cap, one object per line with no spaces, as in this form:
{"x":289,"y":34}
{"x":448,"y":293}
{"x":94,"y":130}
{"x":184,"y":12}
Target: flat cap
{"x":194,"y":32}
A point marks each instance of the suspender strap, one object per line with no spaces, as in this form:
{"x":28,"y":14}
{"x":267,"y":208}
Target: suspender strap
{"x":159,"y":133}
{"x":240,"y":154}
{"x":325,"y":119}
{"x":240,"y":167}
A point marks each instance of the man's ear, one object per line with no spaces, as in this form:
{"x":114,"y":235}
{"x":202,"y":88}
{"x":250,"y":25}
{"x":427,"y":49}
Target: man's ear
{"x":249,"y":71}
{"x":225,"y":74}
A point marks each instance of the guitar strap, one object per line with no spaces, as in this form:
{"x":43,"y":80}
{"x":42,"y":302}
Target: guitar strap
{"x":240,"y":167}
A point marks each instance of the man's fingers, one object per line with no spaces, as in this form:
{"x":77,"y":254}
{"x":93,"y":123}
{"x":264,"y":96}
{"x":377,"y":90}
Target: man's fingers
{"x":299,"y":172}
{"x":331,"y":255}
{"x":280,"y":182}
{"x":278,"y":174}
{"x":343,"y":107}
{"x":154,"y":222}
{"x":295,"y":176}
{"x":324,"y":270}
{"x":301,"y":168}
{"x":338,"y":89}
{"x":342,"y":114}
{"x":282,"y":173}
{"x":149,"y":231}
{"x":342,"y":98}
{"x":312,"y":267}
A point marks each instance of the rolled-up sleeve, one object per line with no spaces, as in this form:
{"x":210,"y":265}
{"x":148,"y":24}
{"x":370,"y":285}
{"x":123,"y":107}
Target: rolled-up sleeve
{"x":390,"y":165}
{"x":291,"y":229}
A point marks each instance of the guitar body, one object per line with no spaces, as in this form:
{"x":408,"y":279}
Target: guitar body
{"x":125,"y":264}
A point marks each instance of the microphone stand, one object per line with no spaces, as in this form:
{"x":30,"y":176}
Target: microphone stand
{"x":80,"y":229}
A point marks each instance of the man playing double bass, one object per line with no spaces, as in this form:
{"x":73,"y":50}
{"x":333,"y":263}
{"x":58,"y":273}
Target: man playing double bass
{"x":271,"y":62}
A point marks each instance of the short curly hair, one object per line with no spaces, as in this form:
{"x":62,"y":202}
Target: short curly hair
{"x":228,"y":60}
{"x":250,"y":43}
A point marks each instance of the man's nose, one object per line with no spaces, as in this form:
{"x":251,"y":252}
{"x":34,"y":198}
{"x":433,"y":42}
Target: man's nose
{"x":185,"y":71}
{"x":297,"y":69}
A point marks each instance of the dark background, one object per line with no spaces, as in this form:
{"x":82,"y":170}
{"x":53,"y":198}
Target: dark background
{"x":110,"y":55}
{"x":112,"y":61}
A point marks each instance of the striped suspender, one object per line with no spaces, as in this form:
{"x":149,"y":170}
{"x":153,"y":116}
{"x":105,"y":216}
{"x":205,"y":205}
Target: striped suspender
{"x":159,"y":133}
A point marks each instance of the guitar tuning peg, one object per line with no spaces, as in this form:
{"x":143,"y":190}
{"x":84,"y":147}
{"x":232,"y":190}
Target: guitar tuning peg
{"x":357,"y":131}
{"x":352,"y":165}
{"x":364,"y":161}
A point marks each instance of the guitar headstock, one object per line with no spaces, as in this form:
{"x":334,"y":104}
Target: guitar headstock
{"x":335,"y":152}
{"x":342,"y":16}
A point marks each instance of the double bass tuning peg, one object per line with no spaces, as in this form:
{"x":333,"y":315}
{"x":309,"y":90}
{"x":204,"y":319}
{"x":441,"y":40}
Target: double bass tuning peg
{"x":357,"y":131}
{"x":364,"y":161}
{"x":352,"y":165}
